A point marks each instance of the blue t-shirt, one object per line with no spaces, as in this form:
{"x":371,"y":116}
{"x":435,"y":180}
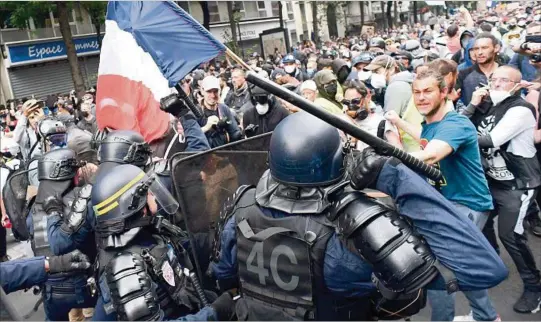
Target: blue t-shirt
{"x":463,"y":180}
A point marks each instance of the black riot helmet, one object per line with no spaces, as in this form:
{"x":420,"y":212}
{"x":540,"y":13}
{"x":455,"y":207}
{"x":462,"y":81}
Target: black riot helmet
{"x":58,"y":165}
{"x":124,"y":147}
{"x":121,"y":193}
{"x":306,"y":152}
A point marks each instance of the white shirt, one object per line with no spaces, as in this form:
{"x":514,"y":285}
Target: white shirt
{"x":370,"y":125}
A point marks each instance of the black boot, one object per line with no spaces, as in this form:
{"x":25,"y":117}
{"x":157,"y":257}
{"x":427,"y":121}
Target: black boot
{"x":530,"y":301}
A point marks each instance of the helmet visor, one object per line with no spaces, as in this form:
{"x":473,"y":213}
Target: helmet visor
{"x":164,"y":198}
{"x":58,"y":140}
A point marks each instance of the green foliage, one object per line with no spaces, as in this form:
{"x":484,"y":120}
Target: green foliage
{"x":97,"y":11}
{"x":22,"y":11}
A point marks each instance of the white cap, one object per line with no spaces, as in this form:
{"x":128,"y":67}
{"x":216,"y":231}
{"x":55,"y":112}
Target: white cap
{"x":309,"y":84}
{"x":210,"y":82}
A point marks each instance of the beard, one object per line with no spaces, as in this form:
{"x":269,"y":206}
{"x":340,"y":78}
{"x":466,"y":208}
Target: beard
{"x":435,"y":108}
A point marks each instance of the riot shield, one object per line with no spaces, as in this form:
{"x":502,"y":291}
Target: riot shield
{"x":202,"y":182}
{"x":14,"y":197}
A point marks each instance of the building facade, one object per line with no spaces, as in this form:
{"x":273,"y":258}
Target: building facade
{"x":33,"y":61}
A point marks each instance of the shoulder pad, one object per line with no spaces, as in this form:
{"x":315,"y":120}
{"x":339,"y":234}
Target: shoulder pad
{"x":86,"y":191}
{"x":131,"y":289}
{"x":356,"y":211}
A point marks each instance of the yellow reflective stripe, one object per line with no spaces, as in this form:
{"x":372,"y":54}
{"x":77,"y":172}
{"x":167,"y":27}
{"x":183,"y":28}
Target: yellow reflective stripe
{"x":106,"y":209}
{"x":119,"y":193}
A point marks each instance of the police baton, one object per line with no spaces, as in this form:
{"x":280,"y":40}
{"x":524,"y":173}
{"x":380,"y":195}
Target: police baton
{"x":378,"y":144}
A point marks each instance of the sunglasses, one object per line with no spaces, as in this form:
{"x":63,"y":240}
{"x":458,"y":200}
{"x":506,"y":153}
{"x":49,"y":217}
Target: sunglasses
{"x":354,"y":103}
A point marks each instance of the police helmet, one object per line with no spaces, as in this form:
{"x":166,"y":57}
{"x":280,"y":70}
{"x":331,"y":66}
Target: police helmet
{"x":364,"y":58}
{"x":58,"y":165}
{"x":377,"y":42}
{"x":306,"y":151}
{"x":125,"y":147}
{"x":123,"y":191}
{"x":54,"y":131}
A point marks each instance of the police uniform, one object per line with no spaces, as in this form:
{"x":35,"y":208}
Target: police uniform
{"x":144,"y":272}
{"x":62,"y":223}
{"x":308,"y":247}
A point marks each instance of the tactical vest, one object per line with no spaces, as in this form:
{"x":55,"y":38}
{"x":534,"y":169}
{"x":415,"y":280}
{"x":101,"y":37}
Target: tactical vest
{"x":280,"y":262}
{"x":165,"y":271}
{"x":526,"y":171}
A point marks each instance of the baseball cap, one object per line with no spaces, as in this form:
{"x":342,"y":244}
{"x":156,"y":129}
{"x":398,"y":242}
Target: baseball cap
{"x":30,"y":103}
{"x":277,"y":73}
{"x":383,"y":61}
{"x":309,"y":84}
{"x":210,"y":82}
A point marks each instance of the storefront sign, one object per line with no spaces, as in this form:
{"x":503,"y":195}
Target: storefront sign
{"x":36,"y":52}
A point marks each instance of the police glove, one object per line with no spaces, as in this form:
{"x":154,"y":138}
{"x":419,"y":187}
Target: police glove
{"x":53,"y":206}
{"x":74,"y":261}
{"x":174,"y":105}
{"x":366,"y":172}
{"x":224,"y":306}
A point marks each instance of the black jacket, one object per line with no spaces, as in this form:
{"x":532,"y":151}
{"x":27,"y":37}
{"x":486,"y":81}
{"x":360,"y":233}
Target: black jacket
{"x":265,"y":123}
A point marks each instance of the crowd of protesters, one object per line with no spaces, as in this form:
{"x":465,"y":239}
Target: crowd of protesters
{"x":461,"y":93}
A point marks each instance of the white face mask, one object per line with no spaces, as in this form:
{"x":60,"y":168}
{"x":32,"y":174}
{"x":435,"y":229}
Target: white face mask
{"x":378,"y":81}
{"x":364,"y":75}
{"x":262,"y":109}
{"x":289,"y":69}
{"x":498,"y":96}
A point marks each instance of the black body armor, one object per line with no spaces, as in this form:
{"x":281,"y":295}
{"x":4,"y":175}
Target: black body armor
{"x":148,"y":282}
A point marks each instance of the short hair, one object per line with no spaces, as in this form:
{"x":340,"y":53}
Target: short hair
{"x":514,"y":71}
{"x":323,"y":63}
{"x":486,"y":27}
{"x":428,"y":73}
{"x":443,"y":66}
{"x":356,"y":85}
{"x":533,"y":25}
{"x":239,"y":70}
{"x":488,"y":35}
{"x":452,"y":30}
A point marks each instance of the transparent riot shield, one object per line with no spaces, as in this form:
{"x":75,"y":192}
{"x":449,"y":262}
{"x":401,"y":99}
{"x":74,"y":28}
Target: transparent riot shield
{"x":202,"y":182}
{"x":14,"y":197}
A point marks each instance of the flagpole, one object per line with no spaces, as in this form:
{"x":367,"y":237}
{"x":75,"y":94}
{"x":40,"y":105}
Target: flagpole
{"x":236,"y":58}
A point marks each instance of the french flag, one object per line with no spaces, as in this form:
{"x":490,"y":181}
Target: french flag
{"x":147,"y":48}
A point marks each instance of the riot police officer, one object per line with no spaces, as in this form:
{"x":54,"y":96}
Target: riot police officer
{"x":123,"y":147}
{"x":144,"y":272}
{"x":303,"y":245}
{"x":61,"y":209}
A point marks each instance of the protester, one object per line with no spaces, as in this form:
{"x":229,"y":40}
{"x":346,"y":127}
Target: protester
{"x":264,"y":114}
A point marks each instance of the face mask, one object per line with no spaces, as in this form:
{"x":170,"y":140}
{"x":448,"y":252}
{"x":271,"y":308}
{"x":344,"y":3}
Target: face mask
{"x":364,"y":75}
{"x":290,"y":69}
{"x":378,"y":81}
{"x":498,"y":96}
{"x":262,"y":109}
{"x":310,"y":72}
{"x":348,"y":64}
{"x":331,"y":89}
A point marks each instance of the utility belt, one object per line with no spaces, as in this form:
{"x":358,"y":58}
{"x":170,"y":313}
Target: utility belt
{"x":70,"y":283}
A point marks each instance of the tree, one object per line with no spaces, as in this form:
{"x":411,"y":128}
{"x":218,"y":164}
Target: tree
{"x":415,"y":12}
{"x":395,"y":14}
{"x":97,"y":11}
{"x":388,"y":14}
{"x":315,"y":24}
{"x":22,"y":12}
{"x":331,"y":19}
{"x":382,"y":4}
{"x":362,"y":14}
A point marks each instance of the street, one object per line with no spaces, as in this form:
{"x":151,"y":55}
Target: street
{"x":503,"y":296}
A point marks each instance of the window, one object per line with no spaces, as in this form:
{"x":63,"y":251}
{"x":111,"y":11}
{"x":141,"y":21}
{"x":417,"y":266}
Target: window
{"x":289,"y":7}
{"x":213,"y":11}
{"x":239,"y":6}
{"x":261,"y":9}
{"x":251,"y":10}
{"x":275,"y":9}
{"x":42,"y":19}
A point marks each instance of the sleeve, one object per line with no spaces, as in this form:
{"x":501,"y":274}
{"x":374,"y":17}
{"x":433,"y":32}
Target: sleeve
{"x":515,"y":61}
{"x":514,"y":122}
{"x":397,"y":97}
{"x":19,"y":129}
{"x":456,"y":242}
{"x":456,"y":132}
{"x":232,"y":128}
{"x":22,"y":273}
{"x":195,"y":138}
{"x":60,"y":241}
{"x":206,"y":314}
{"x":226,"y":267}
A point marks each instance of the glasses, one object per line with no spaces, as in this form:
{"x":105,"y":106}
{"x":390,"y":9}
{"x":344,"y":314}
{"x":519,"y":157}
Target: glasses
{"x":501,"y":80}
{"x":352,"y":103}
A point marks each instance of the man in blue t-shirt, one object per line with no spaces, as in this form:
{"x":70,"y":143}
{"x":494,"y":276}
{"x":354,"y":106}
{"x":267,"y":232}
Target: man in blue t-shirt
{"x":449,"y":141}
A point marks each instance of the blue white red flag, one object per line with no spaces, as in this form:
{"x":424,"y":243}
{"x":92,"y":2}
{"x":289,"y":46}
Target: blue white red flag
{"x":148,"y":47}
